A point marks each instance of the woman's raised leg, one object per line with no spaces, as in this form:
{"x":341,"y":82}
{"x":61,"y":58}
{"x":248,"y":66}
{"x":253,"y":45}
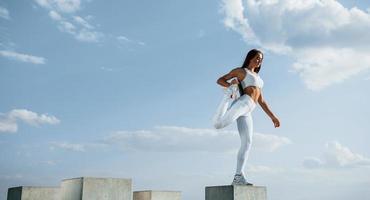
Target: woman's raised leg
{"x":223,"y":107}
{"x":242,"y":106}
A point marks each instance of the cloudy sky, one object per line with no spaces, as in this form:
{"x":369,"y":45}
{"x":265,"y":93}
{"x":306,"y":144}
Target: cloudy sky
{"x":127,"y":90}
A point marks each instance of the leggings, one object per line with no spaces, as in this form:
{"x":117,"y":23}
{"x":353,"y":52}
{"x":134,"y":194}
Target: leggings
{"x":240,"y":110}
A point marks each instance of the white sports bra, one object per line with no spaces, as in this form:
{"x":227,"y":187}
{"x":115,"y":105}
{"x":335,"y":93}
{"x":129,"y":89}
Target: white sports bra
{"x":252,"y":79}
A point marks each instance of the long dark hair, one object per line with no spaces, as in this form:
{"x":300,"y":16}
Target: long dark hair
{"x":251,"y":54}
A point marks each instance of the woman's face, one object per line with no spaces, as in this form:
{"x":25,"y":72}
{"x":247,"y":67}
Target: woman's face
{"x":256,"y":61}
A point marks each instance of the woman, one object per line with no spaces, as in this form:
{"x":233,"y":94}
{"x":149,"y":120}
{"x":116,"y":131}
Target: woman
{"x":232,"y":108}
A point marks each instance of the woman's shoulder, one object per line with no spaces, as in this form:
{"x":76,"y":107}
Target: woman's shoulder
{"x":238,"y":69}
{"x":238,"y":72}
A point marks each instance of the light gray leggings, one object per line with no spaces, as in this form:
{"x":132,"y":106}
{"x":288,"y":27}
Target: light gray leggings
{"x":240,"y":110}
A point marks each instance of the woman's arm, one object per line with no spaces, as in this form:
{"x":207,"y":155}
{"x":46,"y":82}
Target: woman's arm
{"x":232,"y":74}
{"x":267,"y":110}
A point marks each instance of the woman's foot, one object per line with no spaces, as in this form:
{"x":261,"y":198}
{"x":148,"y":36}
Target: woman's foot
{"x":231,"y":91}
{"x":247,"y":183}
{"x":240,"y":180}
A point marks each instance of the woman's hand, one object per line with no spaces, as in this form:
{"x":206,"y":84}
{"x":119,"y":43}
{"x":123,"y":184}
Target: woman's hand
{"x":234,"y":81}
{"x":276,"y":121}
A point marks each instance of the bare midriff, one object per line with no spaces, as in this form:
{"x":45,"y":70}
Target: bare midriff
{"x":253,"y":91}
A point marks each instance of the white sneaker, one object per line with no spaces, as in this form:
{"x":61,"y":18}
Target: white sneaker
{"x":240,"y":180}
{"x":232,"y":91}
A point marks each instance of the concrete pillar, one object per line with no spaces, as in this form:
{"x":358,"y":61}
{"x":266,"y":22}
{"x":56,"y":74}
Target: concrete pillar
{"x":33,"y":193}
{"x":88,"y":188}
{"x":157,"y":195}
{"x":236,"y":192}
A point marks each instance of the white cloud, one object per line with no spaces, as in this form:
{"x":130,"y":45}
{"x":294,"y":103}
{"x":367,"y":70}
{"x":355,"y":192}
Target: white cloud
{"x":32,"y":118}
{"x":44,"y":3}
{"x":61,"y":12}
{"x":67,"y":146}
{"x":81,"y":30}
{"x":235,"y":20}
{"x":88,"y":36}
{"x":67,"y":27}
{"x":8,"y":122}
{"x":124,"y":40}
{"x":337,"y":156}
{"x":22,"y":57}
{"x":4,"y":13}
{"x":322,"y":67}
{"x":55,"y":15}
{"x":82,"y":22}
{"x":327,"y":41}
{"x":7,"y":125}
{"x":269,"y":142}
{"x":175,"y":139}
{"x":67,"y":6}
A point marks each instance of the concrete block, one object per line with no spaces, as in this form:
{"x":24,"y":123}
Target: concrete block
{"x":157,"y":195}
{"x":33,"y":193}
{"x":89,"y":188}
{"x":236,"y":192}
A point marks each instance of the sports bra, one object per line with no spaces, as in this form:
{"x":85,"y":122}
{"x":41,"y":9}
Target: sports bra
{"x":252,"y":79}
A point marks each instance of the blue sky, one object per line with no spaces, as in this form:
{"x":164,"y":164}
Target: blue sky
{"x":127,"y":89}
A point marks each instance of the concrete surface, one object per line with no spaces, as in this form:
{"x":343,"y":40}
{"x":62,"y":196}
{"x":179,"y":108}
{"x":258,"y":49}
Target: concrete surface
{"x":89,"y":188}
{"x":237,"y":192}
{"x":33,"y":193}
{"x":157,"y":195}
